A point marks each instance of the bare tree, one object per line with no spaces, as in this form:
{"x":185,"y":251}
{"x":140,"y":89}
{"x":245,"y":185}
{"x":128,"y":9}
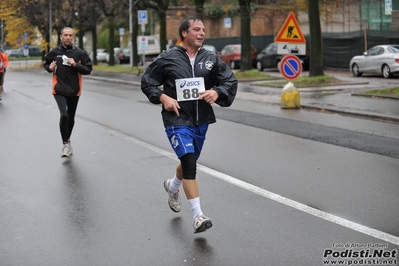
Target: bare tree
{"x":161,"y":6}
{"x":112,"y":9}
{"x":40,"y":13}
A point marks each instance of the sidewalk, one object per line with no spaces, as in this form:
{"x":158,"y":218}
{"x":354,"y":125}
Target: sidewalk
{"x":337,"y":99}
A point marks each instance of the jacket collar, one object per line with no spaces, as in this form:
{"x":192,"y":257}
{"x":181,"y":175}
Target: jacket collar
{"x":67,"y":48}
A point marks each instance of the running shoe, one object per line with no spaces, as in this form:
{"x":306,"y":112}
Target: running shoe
{"x":67,"y":150}
{"x":174,"y":198}
{"x":201,"y":223}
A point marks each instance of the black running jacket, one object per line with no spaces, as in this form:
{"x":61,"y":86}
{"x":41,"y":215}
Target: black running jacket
{"x":67,"y":80}
{"x":175,"y":64}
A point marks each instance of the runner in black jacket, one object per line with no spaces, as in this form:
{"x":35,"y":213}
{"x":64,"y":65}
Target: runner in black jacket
{"x":67,"y":63}
{"x":193,"y":78}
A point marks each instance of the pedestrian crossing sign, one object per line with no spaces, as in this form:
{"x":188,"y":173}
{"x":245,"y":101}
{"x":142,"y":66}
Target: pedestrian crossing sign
{"x":290,"y":32}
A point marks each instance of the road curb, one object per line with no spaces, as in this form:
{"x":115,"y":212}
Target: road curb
{"x":375,"y":96}
{"x":306,"y":107}
{"x":136,"y":83}
{"x":351,"y":113}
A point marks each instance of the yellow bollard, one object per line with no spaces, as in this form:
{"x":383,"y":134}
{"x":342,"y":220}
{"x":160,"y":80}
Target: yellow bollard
{"x":290,"y":98}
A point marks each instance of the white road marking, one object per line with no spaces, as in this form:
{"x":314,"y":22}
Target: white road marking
{"x":302,"y":207}
{"x":270,"y":195}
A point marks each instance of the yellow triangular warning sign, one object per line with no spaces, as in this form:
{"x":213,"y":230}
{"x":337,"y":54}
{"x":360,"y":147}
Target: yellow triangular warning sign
{"x":290,"y":32}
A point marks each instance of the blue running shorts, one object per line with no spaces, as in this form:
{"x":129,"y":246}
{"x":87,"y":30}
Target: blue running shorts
{"x":185,"y":139}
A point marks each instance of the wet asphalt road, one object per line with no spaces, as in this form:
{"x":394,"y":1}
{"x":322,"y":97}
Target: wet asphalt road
{"x":275,"y":197}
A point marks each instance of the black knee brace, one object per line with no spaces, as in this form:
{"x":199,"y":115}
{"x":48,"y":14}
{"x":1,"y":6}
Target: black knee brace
{"x":189,"y":166}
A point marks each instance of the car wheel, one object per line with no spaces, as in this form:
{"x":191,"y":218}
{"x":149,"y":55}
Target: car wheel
{"x":233,"y":65}
{"x":278,"y":65}
{"x":259,"y":66}
{"x":355,"y":71}
{"x":386,"y":71}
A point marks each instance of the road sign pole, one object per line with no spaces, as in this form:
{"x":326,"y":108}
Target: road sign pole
{"x":131,"y":34}
{"x":143,"y":20}
{"x":142,"y":33}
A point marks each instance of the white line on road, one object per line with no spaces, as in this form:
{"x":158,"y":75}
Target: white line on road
{"x":267,"y":194}
{"x":302,"y":207}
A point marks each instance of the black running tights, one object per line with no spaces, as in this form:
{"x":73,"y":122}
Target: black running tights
{"x":67,"y":106}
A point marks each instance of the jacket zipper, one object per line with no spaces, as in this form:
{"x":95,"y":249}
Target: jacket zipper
{"x":196,"y":102}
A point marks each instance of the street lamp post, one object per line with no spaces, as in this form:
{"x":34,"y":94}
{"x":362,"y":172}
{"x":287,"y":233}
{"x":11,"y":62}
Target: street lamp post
{"x":131,"y":34}
{"x":49,"y":26}
{"x":2,"y":35}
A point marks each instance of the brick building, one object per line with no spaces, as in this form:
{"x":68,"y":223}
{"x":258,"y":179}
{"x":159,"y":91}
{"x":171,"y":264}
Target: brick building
{"x":338,"y":16}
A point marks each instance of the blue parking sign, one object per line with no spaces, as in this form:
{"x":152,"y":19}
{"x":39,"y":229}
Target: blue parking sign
{"x":142,"y":16}
{"x":227,"y":23}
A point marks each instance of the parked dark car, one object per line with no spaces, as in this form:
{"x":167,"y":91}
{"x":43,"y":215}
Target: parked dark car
{"x":269,"y":58}
{"x":35,"y":51}
{"x":101,"y":55}
{"x":123,"y":56}
{"x":231,"y":54}
{"x":32,"y":51}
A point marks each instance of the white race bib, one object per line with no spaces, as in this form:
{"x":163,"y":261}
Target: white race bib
{"x":65,"y":60}
{"x":189,"y":89}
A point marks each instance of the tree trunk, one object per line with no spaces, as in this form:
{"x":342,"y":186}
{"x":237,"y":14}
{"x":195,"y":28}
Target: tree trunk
{"x":94,"y":36}
{"x":162,"y":30}
{"x":316,"y":41}
{"x":246,"y":42}
{"x":111,"y":28}
{"x":199,"y":8}
{"x":80,"y":36}
{"x":136,"y":58}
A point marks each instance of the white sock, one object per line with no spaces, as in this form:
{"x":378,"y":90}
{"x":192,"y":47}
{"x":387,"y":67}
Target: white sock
{"x":195,"y":206}
{"x":174,"y":184}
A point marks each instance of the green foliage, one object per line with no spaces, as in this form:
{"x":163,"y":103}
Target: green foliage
{"x":220,"y":9}
{"x":117,"y":69}
{"x":314,"y":80}
{"x":253,"y":74}
{"x":385,"y":92}
{"x":301,"y":82}
{"x":102,"y":39}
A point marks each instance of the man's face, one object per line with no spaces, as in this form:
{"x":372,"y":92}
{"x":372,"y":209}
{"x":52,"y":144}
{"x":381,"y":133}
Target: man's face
{"x":67,"y":37}
{"x":195,"y":35}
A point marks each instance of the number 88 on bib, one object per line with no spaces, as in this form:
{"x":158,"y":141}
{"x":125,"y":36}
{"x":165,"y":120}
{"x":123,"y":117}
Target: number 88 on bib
{"x":189,"y":89}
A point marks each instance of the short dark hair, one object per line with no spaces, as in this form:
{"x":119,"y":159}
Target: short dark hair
{"x":185,"y":24}
{"x":66,"y":28}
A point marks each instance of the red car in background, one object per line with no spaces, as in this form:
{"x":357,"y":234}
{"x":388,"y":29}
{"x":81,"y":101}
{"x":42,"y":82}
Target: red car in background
{"x":231,"y":54}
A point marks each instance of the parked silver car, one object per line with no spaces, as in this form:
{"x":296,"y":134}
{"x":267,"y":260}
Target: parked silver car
{"x":101,"y":55}
{"x":382,"y":59}
{"x":116,"y":49}
{"x":14,"y":53}
{"x":210,"y":48}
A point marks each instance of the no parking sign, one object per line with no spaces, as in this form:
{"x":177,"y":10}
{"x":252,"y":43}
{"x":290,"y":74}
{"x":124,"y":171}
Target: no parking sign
{"x":291,"y":67}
